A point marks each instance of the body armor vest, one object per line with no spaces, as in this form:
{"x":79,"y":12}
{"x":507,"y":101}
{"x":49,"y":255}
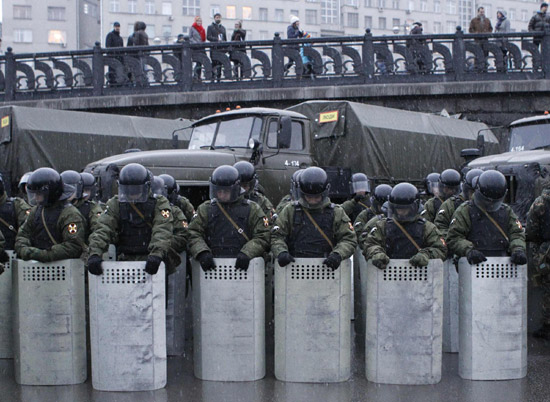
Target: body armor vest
{"x":305,"y":240}
{"x":85,"y":209}
{"x":7,"y":212}
{"x":357,"y":209}
{"x":483,"y":233}
{"x":222,"y":237}
{"x":437,"y":205}
{"x":546,"y":220}
{"x":135,"y":233}
{"x":39,"y":236}
{"x":398,"y":246}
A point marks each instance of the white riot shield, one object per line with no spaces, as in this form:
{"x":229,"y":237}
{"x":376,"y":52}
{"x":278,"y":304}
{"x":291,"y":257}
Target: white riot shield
{"x":450,"y":307}
{"x":175,"y":309}
{"x":6,"y":311}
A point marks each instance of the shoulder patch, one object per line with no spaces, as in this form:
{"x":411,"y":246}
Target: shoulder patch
{"x":275,"y":229}
{"x":350,"y":226}
{"x":453,"y":221}
{"x":373,"y":230}
{"x":443,"y":241}
{"x":441,"y":211}
{"x":519,"y":224}
{"x":184,"y":224}
{"x":266,"y":222}
{"x":72,"y":228}
{"x":357,"y":224}
{"x":28,"y":211}
{"x":165,"y":213}
{"x":423,"y":212}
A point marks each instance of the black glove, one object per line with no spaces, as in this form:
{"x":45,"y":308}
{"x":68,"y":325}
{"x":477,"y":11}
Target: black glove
{"x":333,"y":261}
{"x":285,"y":258}
{"x":152,"y":264}
{"x":206,"y":259}
{"x":380,"y":260}
{"x":518,"y":257}
{"x":243,"y":261}
{"x":4,"y":257}
{"x":94,"y":265}
{"x":475,"y":257}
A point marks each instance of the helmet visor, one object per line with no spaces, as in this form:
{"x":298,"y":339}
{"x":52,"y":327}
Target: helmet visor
{"x":433,"y":188}
{"x":403,"y":213}
{"x":486,"y":203}
{"x":312,"y":200}
{"x":88,"y":192}
{"x":358,"y":186}
{"x":133,"y":193}
{"x":225,"y":194}
{"x":446,"y":191}
{"x":38,"y":197}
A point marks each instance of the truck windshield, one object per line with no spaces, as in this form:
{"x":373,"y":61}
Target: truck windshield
{"x":528,"y":137}
{"x":226,"y":133}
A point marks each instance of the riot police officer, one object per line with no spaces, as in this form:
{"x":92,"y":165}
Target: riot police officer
{"x":431,"y":184}
{"x":360,"y":189}
{"x":312,"y":226}
{"x":448,"y":185}
{"x":54,"y":229}
{"x":404,"y":234}
{"x":485,"y":226}
{"x":292,"y":195}
{"x":229,"y":225}
{"x":367,"y":218}
{"x":22,"y":186}
{"x":90,"y":211}
{"x":249,"y":179}
{"x":13,"y":213}
{"x":176,"y":199}
{"x":538,"y":232}
{"x":139,"y":224}
{"x":448,"y":208}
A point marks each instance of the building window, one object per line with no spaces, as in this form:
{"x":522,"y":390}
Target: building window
{"x":368,"y":3}
{"x":166,"y":8}
{"x":264,"y":35}
{"x":524,"y":15}
{"x":191,"y":7}
{"x":451,"y":26}
{"x":263,"y":14}
{"x":381,"y":3}
{"x":382,"y":23}
{"x":311,"y":17}
{"x":231,"y":12}
{"x":395,"y":22}
{"x":114,"y":6}
{"x":56,"y":13}
{"x":423,"y":5}
{"x":247,"y":13}
{"x":353,"y":20}
{"x":395,"y":4}
{"x":130,"y":29}
{"x":451,"y":7}
{"x":437,"y":6}
{"x":214,"y":9}
{"x":22,"y":12}
{"x":185,"y":30}
{"x":150,"y":7}
{"x":354,"y":3}
{"x":512,"y":14}
{"x":249,"y":34}
{"x":132,"y":6}
{"x":411,"y":5}
{"x":295,"y":12}
{"x":368,"y":22}
{"x":279,"y":15}
{"x":56,"y":36}
{"x":22,"y":36}
{"x":437,"y":27}
{"x":166,"y":31}
{"x":150,"y":31}
{"x":329,"y":11}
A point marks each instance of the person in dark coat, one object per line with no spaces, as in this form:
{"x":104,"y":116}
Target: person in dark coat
{"x":113,"y":39}
{"x":414,"y":44}
{"x":293,"y":32}
{"x":197,"y":34}
{"x":239,"y":35}
{"x":539,"y":22}
{"x":480,"y":23}
{"x":139,"y":37}
{"x":216,"y":33}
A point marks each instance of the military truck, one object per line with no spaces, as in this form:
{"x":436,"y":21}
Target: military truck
{"x":526,"y":164}
{"x":342,"y":137}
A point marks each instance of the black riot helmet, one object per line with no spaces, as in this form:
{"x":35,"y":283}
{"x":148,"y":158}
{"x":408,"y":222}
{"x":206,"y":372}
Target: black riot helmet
{"x":88,"y":186}
{"x":134,"y":184}
{"x":380,"y":196}
{"x":294,"y":184}
{"x":403,"y":203}
{"x":313,"y":182}
{"x":172,"y":187}
{"x":225,"y":185}
{"x":44,"y":187}
{"x":247,"y":175}
{"x":490,"y":190}
{"x":359,"y":183}
{"x":468,"y":184}
{"x":158,"y":187}
{"x":449,"y":183}
{"x":432,"y":184}
{"x":74,"y":179}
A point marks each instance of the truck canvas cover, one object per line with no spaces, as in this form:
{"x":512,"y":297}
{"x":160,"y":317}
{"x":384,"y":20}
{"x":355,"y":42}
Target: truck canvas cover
{"x":31,"y":138}
{"x":391,"y":143}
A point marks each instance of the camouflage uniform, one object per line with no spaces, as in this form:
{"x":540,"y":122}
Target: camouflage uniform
{"x":445,"y":214}
{"x":263,"y":202}
{"x":185,"y":205}
{"x":289,"y":224}
{"x":179,"y":240}
{"x":355,"y":206}
{"x":287,"y":199}
{"x":538,"y":232}
{"x":365,"y":230}
{"x":362,"y":219}
{"x":65,"y":224}
{"x":211,"y":231}
{"x":385,"y":238}
{"x":483,"y":235}
{"x":430,"y":208}
{"x":110,"y":226}
{"x":91,"y":211}
{"x":14,"y":212}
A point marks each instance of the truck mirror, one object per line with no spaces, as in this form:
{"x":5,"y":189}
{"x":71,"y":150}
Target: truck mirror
{"x":470,"y":153}
{"x":285,"y":132}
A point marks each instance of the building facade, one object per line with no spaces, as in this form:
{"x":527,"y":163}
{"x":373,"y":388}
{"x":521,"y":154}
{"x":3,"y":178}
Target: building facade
{"x":50,"y":25}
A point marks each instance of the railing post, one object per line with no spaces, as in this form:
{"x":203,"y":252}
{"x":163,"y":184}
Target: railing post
{"x":459,"y":53}
{"x":278,"y":60}
{"x":186,"y":79}
{"x":545,"y":53}
{"x":11,"y":76}
{"x":368,"y":56}
{"x":98,"y":71}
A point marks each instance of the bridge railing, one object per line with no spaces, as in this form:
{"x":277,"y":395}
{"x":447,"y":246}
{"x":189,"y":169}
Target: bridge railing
{"x":275,"y":63}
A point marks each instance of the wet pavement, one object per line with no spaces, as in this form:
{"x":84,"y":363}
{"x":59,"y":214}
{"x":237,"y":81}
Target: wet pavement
{"x":183,"y":386}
